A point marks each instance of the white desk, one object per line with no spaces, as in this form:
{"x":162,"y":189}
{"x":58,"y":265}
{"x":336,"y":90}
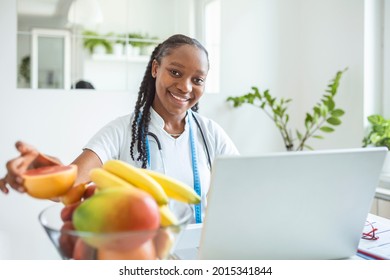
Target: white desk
{"x":186,"y":249}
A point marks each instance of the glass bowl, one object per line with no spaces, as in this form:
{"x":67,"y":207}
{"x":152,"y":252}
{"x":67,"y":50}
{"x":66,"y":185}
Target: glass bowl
{"x":136,"y":245}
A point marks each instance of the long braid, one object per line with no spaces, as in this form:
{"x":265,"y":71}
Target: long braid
{"x":140,"y":126}
{"x":147,"y":91}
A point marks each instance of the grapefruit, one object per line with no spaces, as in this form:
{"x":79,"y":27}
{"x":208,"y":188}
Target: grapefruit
{"x":49,"y":181}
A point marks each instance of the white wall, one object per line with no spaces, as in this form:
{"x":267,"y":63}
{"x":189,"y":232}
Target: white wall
{"x":56,"y":122}
{"x":291,"y":47}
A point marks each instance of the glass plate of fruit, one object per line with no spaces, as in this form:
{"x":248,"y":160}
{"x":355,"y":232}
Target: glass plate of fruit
{"x":123,"y":213}
{"x":153,"y":244}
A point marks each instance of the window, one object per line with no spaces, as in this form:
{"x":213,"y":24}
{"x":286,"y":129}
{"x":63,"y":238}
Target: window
{"x":386,"y":59}
{"x":377,"y":58}
{"x":212,"y":31}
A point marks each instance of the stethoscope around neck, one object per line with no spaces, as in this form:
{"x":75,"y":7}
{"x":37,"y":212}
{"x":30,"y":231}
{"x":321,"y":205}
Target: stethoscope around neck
{"x":154,"y":136}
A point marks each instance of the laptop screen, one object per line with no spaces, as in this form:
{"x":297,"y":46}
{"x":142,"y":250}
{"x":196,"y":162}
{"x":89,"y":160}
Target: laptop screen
{"x":293,"y":205}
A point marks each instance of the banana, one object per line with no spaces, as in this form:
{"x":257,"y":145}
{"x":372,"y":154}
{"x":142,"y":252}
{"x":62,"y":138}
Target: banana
{"x":174,"y":188}
{"x":104,"y":179}
{"x":136,"y":177}
{"x":167,"y":217}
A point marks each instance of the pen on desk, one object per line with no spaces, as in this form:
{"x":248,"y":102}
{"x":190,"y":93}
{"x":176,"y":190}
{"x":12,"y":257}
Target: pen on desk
{"x":370,"y":255}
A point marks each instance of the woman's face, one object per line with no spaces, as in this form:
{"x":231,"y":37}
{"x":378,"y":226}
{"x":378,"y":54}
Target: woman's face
{"x":180,"y":80}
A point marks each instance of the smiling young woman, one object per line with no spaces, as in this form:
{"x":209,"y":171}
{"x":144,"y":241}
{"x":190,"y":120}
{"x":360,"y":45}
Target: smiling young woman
{"x":180,"y":81}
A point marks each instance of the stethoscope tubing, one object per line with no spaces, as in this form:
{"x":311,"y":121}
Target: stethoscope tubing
{"x":194,"y":160}
{"x":154,"y":136}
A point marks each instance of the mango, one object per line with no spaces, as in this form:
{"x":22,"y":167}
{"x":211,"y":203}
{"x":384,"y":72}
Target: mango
{"x":129,"y":211}
{"x":144,"y":252}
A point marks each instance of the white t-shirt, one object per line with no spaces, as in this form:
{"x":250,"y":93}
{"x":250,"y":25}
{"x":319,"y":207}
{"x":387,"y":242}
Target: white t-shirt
{"x":113,"y":142}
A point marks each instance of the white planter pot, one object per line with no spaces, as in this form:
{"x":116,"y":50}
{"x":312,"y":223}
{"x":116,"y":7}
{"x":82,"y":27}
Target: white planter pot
{"x":386,"y":166}
{"x":132,"y":51}
{"x":99,"y":49}
{"x":117,"y":49}
{"x":136,"y":51}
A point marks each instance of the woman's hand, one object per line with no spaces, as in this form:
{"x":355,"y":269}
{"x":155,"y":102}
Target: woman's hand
{"x":29,"y":158}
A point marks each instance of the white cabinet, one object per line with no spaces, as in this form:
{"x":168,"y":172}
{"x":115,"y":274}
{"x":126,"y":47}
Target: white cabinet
{"x":381,"y":203}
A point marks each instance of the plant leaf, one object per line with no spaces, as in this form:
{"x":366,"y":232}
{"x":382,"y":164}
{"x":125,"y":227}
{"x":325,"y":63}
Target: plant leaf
{"x":375,"y":119}
{"x":337,"y":113}
{"x":326,"y":129}
{"x":333,"y":121}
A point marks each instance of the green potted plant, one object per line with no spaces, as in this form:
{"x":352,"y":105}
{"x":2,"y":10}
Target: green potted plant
{"x":323,"y":117}
{"x":134,"y":43}
{"x":142,"y":44}
{"x":378,"y":135}
{"x":94,"y":41}
{"x":119,"y":43}
{"x":379,"y":132}
{"x":120,"y":39}
{"x":148,"y":45}
{"x":25,"y":70}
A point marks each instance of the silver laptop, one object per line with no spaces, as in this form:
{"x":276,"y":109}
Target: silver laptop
{"x":292,"y":205}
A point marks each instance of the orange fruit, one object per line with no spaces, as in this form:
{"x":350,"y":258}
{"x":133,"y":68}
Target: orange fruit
{"x":74,"y":194}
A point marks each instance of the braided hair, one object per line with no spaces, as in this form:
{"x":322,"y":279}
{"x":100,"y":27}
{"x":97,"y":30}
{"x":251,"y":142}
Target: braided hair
{"x":147,"y":91}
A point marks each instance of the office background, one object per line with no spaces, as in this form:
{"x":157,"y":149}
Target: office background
{"x":292,"y":48}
